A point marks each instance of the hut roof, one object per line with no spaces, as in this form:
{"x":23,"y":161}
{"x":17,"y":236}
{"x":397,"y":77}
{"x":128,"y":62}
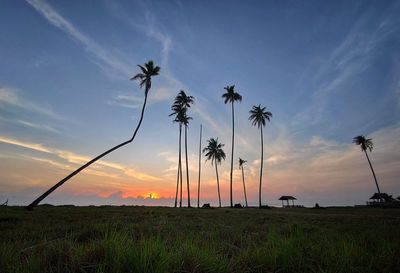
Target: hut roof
{"x":287,"y":197}
{"x":383,"y":195}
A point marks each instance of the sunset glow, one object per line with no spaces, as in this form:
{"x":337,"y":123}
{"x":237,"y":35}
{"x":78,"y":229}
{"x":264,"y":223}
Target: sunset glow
{"x":66,"y":96}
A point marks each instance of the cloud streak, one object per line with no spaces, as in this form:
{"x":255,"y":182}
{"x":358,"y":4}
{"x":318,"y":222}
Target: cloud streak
{"x":10,"y":97}
{"x":74,"y":158}
{"x":103,"y":58}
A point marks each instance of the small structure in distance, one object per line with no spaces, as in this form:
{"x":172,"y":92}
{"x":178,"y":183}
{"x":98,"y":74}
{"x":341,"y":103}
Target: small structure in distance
{"x":287,"y":198}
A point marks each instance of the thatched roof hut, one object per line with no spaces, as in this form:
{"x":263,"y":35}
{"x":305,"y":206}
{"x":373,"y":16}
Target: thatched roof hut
{"x":383,"y":196}
{"x":287,"y":198}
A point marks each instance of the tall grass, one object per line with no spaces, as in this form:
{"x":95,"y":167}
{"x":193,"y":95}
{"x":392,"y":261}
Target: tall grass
{"x":133,"y":239}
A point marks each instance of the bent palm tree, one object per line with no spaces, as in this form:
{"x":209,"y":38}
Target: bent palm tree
{"x":148,"y":71}
{"x":258,"y":116}
{"x":179,"y":108}
{"x":216,"y":154}
{"x":366,"y":143}
{"x":241,"y":163}
{"x":232,"y":96}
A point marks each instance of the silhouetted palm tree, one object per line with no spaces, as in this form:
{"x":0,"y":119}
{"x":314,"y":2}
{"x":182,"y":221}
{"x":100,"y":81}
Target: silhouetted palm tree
{"x":216,"y":154}
{"x":178,"y":113}
{"x":241,"y":163}
{"x":148,"y":71}
{"x":181,"y":104}
{"x":258,"y":116}
{"x":366,"y":143}
{"x":232,"y":96}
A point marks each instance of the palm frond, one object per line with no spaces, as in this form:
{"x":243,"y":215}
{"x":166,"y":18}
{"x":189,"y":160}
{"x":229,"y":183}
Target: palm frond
{"x":259,"y":116}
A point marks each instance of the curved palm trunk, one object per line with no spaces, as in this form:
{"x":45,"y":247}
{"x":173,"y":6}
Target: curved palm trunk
{"x":187,"y":168}
{"x":198,"y":186}
{"x":233,"y":144}
{"x":180,"y":163}
{"x":244,"y":187}
{"x":261,"y":168}
{"x":373,"y":173}
{"x":219,"y":194}
{"x":65,"y":179}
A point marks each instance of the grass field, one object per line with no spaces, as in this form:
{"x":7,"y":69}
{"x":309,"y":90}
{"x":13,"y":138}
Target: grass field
{"x":152,"y":239}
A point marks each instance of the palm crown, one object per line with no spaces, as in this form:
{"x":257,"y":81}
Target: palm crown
{"x":214,"y":151}
{"x":179,"y":108}
{"x":231,"y":95}
{"x":365,"y":143}
{"x":258,"y":116}
{"x":148,"y":71}
{"x":182,"y":100}
{"x":241,"y":162}
{"x":182,"y":117}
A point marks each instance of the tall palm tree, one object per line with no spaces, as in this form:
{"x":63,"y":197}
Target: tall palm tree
{"x":231,"y":96}
{"x":259,"y":116}
{"x":179,"y":108}
{"x":177,"y":118}
{"x":241,"y":163}
{"x":178,"y":112}
{"x":148,"y":71}
{"x":216,"y":154}
{"x":366,"y":143}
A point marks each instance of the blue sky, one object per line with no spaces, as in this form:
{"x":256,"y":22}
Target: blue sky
{"x":327,"y":70}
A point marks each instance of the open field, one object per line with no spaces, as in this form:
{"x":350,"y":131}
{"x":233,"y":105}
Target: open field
{"x":152,"y":239}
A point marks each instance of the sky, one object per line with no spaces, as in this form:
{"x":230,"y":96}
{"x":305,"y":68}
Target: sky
{"x":327,"y":70}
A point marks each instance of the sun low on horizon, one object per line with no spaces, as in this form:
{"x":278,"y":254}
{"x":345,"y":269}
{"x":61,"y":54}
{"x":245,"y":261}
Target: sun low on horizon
{"x":325,"y":73}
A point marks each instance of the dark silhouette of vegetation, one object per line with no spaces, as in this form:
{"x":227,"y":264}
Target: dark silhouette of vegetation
{"x":216,"y":154}
{"x":5,"y":203}
{"x":366,"y":143}
{"x":241,"y":164}
{"x":148,"y":71}
{"x":198,"y":185}
{"x":259,"y":116}
{"x":231,"y":96}
{"x":179,"y":109}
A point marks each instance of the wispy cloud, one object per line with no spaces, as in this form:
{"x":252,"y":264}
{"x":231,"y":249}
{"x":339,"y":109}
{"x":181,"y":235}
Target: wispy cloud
{"x":103,"y":58}
{"x":74,"y":158}
{"x":44,"y":127}
{"x":351,"y":57}
{"x":159,"y":94}
{"x":11,"y":97}
{"x":32,"y":146}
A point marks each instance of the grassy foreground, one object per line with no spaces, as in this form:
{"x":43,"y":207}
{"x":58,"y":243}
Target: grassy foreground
{"x":145,"y":239}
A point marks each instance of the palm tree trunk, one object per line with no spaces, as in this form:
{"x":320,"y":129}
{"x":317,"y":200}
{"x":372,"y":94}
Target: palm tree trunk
{"x":180,"y":163}
{"x":373,"y":173}
{"x":198,"y":187}
{"x":233,"y":144}
{"x":177,"y":187}
{"x":261,"y":168}
{"x":219,"y":194}
{"x":244,"y":187}
{"x":65,"y":179}
{"x":187,"y":167}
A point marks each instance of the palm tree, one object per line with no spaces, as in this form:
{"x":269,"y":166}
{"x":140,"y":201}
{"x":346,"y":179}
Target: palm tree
{"x":179,"y":108}
{"x":258,"y":116}
{"x":216,"y":154}
{"x":241,"y":163}
{"x":179,"y":174}
{"x":366,"y":143}
{"x":178,"y":112}
{"x":232,"y":96}
{"x":148,"y":71}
